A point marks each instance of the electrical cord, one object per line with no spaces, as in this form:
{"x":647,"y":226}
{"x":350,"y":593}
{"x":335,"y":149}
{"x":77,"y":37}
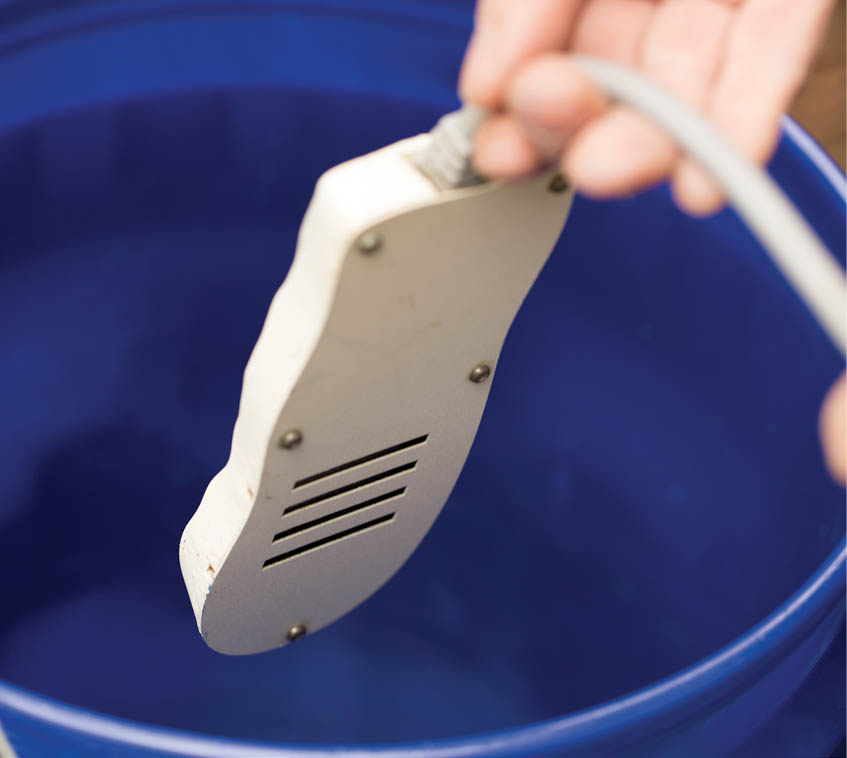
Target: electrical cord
{"x":792,"y":244}
{"x":783,"y":232}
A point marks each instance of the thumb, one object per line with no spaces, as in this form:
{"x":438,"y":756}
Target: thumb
{"x":833,"y":430}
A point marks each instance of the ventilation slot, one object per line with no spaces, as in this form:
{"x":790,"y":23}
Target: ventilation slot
{"x":359,"y":461}
{"x":328,"y":540}
{"x":350,"y":487}
{"x":338,"y":514}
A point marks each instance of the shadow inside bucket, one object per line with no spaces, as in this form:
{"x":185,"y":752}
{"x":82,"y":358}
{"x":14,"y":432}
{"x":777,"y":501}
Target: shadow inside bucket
{"x":645,"y":486}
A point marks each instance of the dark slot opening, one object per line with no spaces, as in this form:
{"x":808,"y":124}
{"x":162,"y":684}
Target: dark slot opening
{"x":359,"y":461}
{"x":338,"y":514}
{"x":327,"y":540}
{"x":350,"y":487}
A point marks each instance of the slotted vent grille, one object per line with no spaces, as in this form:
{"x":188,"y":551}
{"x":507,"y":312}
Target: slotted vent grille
{"x":361,"y":484}
{"x":367,"y":484}
{"x":360,"y":461}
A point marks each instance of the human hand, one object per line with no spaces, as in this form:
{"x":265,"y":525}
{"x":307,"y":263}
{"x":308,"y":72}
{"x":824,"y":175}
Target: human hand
{"x":740,"y":61}
{"x":833,"y":430}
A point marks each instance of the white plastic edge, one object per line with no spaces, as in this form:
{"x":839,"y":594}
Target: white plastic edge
{"x":5,"y":747}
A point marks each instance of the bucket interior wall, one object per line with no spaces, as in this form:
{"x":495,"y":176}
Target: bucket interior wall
{"x":645,"y":486}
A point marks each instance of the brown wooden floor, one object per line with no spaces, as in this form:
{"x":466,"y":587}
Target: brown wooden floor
{"x":821,"y":106}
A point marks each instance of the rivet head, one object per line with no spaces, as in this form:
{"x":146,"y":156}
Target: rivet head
{"x":296,"y":632}
{"x":291,"y":439}
{"x":369,"y":243}
{"x":480,"y":373}
{"x":558,"y":184}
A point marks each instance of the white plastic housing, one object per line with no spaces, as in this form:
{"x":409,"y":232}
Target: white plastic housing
{"x":368,"y":355}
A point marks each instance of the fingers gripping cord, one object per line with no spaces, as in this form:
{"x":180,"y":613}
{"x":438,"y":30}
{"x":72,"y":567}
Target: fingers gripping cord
{"x":783,"y":232}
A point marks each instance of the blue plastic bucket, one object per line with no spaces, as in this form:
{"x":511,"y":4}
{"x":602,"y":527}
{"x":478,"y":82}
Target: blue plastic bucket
{"x":644,"y":554}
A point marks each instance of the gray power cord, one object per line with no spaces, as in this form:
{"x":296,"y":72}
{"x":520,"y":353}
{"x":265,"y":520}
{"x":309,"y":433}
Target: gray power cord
{"x":783,"y":232}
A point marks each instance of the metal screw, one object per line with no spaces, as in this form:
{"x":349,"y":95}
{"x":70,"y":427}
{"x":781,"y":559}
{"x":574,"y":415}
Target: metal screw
{"x":291,"y":439}
{"x":480,"y":373}
{"x":369,"y":243}
{"x":296,"y":632}
{"x":558,"y":184}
